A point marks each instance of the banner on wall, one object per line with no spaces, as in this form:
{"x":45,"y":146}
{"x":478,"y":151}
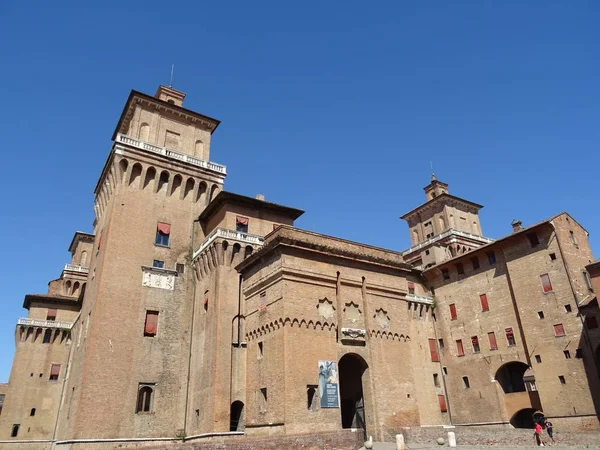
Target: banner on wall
{"x":329,"y":384}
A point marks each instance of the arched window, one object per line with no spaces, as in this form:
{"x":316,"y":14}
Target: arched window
{"x":189,"y":187}
{"x":201,"y":190}
{"x":136,"y":171}
{"x":123,"y":169}
{"x":144,"y":132}
{"x":236,"y":416}
{"x":68,"y":287}
{"x":163,"y":181}
{"x":144,"y":400}
{"x":32,"y":412}
{"x":213,"y":192}
{"x":83,"y":258}
{"x":171,"y":101}
{"x":177,"y":180}
{"x":76,"y":288}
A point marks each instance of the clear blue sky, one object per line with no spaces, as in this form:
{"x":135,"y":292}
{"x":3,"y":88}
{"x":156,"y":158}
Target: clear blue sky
{"x":333,"y":107}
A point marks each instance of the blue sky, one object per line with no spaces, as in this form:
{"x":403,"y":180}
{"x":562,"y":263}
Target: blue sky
{"x":337,"y":110}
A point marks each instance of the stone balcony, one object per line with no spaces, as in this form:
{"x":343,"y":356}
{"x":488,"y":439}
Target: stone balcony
{"x":75,"y":268}
{"x":171,"y":154}
{"x":230,"y":235}
{"x":419,"y":299}
{"x":452,"y":232}
{"x":38,"y":323}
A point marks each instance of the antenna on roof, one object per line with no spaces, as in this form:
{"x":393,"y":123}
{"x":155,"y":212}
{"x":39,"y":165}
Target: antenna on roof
{"x":433,"y":177}
{"x":172,"y":69}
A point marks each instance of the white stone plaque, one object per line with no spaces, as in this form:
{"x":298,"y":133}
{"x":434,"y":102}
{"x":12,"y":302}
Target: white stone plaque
{"x":158,"y":278}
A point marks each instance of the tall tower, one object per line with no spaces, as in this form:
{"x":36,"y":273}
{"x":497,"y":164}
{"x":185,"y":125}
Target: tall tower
{"x":132,"y":343}
{"x":443,"y":227}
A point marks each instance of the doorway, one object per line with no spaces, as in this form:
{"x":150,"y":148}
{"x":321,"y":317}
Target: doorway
{"x":352,"y":403}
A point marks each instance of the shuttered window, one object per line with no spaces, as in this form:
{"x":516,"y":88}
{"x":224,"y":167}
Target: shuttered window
{"x":453,"y":311}
{"x":459,"y":348}
{"x":559,"y":329}
{"x":51,"y":314}
{"x":492,"y":339}
{"x":163,"y":231}
{"x":442,"y":400}
{"x":151,"y":325}
{"x":510,"y":337}
{"x":435,"y":357}
{"x":484,"y":302}
{"x":54,"y":371}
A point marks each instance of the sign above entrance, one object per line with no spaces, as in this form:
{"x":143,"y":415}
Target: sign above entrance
{"x":329,"y":384}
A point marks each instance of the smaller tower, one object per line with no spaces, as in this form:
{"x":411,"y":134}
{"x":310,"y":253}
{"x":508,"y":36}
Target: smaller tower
{"x":443,"y":227}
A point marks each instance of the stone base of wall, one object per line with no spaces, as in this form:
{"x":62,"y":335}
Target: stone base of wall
{"x":497,"y":435}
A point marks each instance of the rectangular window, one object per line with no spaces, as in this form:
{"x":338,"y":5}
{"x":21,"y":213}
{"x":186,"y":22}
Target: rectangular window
{"x":15,"y":430}
{"x":552,"y":256}
{"x":435,"y":357}
{"x":441,"y":342}
{"x":538,"y":359}
{"x":460,"y":269}
{"x":578,"y":353}
{"x":562,"y":379}
{"x":263,"y":400}
{"x":475,"y":262}
{"x":540,"y":314}
{"x":459,"y":348}
{"x":475,"y":342}
{"x":491,"y":258}
{"x":1,"y":403}
{"x":260,"y":350}
{"x":442,"y":400}
{"x":453,"y":315}
{"x":411,"y":287}
{"x":151,"y":325}
{"x":51,"y":314}
{"x":567,"y":354}
{"x":466,"y":382}
{"x":559,"y":329}
{"x":484,"y":302}
{"x":144,"y":400}
{"x":163,"y":231}
{"x":54,"y":372}
{"x":436,"y":380}
{"x":492,"y":339}
{"x":591,"y":323}
{"x":445,"y":274}
{"x":510,"y":337}
{"x":568,"y":308}
{"x":241,"y":224}
{"x":311,"y":397}
{"x":533,"y":239}
{"x":180,"y":268}
{"x":159,"y":264}
{"x":546,"y":285}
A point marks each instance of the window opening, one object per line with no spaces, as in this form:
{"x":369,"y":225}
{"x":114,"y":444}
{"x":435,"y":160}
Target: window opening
{"x":241,"y":224}
{"x":32,"y":412}
{"x":436,"y":380}
{"x":311,"y":397}
{"x":442,"y":400}
{"x":15,"y":430}
{"x":475,"y":342}
{"x":51,"y":314}
{"x":562,"y":380}
{"x":180,"y":268}
{"x":163,"y":231}
{"x":492,"y":339}
{"x":144,"y":400}
{"x":445,"y":370}
{"x":411,"y":287}
{"x":263,"y":400}
{"x":546,"y":284}
{"x":567,"y":354}
{"x":453,"y":315}
{"x":47,"y":336}
{"x":552,"y":256}
{"x":540,"y":314}
{"x":568,"y":308}
{"x":538,"y":359}
{"x":441,"y":342}
{"x":459,"y":348}
{"x":433,"y":352}
{"x":491,"y":258}
{"x":588,"y":281}
{"x":475,"y":262}
{"x":466,"y":382}
{"x":573,"y":238}
{"x":260,"y":350}
{"x":151,"y":323}
{"x":54,"y":372}
{"x":510,"y":337}
{"x":484,"y":302}
{"x":205,"y":301}
{"x":158,"y":264}
{"x":559,"y":330}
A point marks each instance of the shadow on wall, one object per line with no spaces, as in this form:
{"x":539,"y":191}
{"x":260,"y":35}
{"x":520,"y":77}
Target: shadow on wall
{"x":589,"y":350}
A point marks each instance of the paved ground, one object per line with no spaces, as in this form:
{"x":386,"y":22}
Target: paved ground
{"x":391,"y":446}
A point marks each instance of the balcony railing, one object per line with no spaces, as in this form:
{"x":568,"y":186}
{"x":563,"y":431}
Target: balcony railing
{"x":231,"y":235}
{"x":25,"y":321}
{"x":74,"y":268}
{"x":172,"y":154}
{"x":445,"y":234}
{"x":419,"y":299}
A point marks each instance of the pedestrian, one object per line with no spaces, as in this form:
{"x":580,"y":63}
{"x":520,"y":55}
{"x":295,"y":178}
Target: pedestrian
{"x":549,"y":429}
{"x":538,"y":434}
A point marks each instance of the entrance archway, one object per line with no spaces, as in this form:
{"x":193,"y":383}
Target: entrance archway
{"x":523,"y":418}
{"x":352,"y":403}
{"x":236,"y":417}
{"x":510,"y":376}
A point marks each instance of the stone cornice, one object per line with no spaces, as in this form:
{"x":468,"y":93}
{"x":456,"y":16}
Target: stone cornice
{"x":443,"y":199}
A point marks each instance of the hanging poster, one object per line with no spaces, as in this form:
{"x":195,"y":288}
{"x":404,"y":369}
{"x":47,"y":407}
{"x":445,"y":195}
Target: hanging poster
{"x":329,"y":384}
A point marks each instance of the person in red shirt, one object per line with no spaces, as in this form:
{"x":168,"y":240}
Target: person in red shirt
{"x":538,"y":435}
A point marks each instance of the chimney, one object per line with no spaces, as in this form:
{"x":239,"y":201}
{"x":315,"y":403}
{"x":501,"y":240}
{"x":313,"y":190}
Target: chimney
{"x":260,"y":197}
{"x":517,"y":225}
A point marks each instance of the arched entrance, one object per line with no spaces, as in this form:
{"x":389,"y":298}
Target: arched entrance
{"x":236,"y":416}
{"x":351,"y":368}
{"x":510,"y":377}
{"x":523,"y":418}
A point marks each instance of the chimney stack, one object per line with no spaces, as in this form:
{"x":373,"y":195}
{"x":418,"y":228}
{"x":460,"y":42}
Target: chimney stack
{"x":517,"y":225}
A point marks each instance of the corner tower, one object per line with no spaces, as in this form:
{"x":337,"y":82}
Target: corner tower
{"x":133,"y":334}
{"x":442,"y":227}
